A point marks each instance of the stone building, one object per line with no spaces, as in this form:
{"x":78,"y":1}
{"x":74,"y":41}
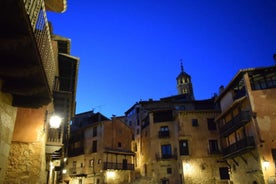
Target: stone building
{"x":31,"y":90}
{"x":99,"y":150}
{"x":176,"y":138}
{"x":247,"y":125}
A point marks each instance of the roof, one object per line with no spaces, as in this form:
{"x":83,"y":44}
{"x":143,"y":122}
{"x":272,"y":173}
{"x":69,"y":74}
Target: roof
{"x":239,"y":75}
{"x":86,"y":119}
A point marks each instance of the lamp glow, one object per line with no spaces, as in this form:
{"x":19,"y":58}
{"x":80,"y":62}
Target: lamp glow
{"x":187,"y":166}
{"x":55,"y":121}
{"x":110,"y":174}
{"x":266,"y":164}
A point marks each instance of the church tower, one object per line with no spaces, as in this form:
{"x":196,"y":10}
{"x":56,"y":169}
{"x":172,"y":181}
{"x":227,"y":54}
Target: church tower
{"x":184,"y":84}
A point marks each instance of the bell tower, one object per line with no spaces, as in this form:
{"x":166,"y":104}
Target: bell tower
{"x":184,"y":84}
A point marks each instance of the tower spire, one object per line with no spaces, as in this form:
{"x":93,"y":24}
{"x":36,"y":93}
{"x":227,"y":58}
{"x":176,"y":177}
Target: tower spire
{"x":181,"y":66}
{"x":184,"y":83}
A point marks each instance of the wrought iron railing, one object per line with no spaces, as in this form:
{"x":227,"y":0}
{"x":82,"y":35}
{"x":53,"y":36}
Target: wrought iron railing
{"x":38,"y":19}
{"x":165,"y":156}
{"x":164,"y":134}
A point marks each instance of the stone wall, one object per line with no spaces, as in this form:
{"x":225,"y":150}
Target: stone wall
{"x":7,"y":120}
{"x":26,"y":163}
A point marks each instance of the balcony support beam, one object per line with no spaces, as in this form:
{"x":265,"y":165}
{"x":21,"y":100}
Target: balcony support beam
{"x":245,"y":161}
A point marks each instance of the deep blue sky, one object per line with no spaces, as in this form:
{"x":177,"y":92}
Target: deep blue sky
{"x":131,"y":49}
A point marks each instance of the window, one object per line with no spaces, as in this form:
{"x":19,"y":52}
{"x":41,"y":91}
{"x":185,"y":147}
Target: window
{"x":119,"y":144}
{"x":169,"y":170}
{"x":183,"y":147}
{"x":224,"y":173}
{"x":94,"y":146}
{"x":213,"y":146}
{"x":81,"y":165}
{"x":211,"y":124}
{"x":74,"y":164}
{"x":164,"y":132}
{"x":99,"y":161}
{"x":165,"y":181}
{"x":194,"y":122}
{"x":94,"y":131}
{"x":166,"y":151}
{"x":91,"y":162}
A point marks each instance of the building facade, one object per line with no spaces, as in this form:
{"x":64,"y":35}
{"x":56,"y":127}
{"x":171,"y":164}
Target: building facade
{"x":176,"y":139}
{"x":28,"y":72}
{"x":99,"y":150}
{"x":247,"y":125}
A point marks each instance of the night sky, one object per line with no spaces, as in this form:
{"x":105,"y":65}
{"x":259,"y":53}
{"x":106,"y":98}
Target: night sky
{"x":130,"y":50}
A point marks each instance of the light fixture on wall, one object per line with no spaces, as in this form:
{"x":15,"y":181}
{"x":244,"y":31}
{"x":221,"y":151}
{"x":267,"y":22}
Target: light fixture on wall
{"x":266,"y":163}
{"x":55,"y":121}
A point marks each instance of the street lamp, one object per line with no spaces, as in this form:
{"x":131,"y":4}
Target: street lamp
{"x":55,"y":121}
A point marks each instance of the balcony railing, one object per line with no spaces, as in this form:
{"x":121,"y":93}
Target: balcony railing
{"x":117,"y":166}
{"x":239,"y":146}
{"x":238,"y":121}
{"x":240,"y":93}
{"x":165,"y":157}
{"x":77,"y":171}
{"x":54,"y":135}
{"x":37,"y":15}
{"x":164,"y":134}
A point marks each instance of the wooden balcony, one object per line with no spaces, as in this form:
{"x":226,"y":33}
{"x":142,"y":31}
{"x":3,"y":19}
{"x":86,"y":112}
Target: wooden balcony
{"x":239,"y":147}
{"x":54,"y":140}
{"x":27,"y":63}
{"x":118,"y":166}
{"x":238,"y":121}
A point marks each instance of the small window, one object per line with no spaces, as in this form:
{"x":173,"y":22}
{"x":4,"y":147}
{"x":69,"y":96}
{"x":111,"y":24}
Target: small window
{"x":119,"y":144}
{"x":194,"y":122}
{"x":213,"y":146}
{"x":99,"y":161}
{"x":169,"y":170}
{"x":211,"y":124}
{"x":224,"y":173}
{"x":94,"y":131}
{"x":81,"y":165}
{"x":74,"y":164}
{"x":91,"y":162}
{"x":94,"y":146}
{"x":183,"y":147}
